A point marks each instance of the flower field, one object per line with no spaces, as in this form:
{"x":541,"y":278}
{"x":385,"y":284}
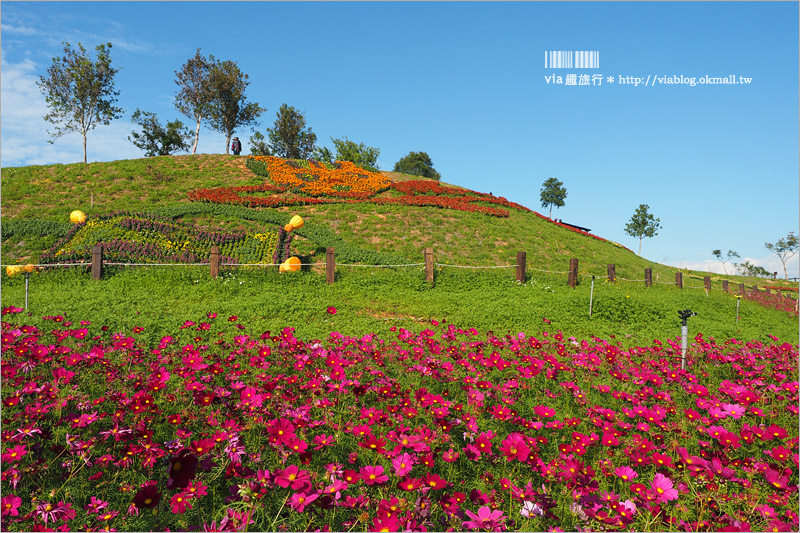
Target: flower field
{"x":220,"y":428}
{"x":141,"y":238}
{"x":341,"y":179}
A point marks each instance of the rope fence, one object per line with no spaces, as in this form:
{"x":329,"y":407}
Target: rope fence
{"x":214,"y":263}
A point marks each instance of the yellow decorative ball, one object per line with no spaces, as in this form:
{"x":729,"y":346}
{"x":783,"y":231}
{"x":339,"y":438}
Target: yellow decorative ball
{"x":296,"y":222}
{"x":77,"y":217}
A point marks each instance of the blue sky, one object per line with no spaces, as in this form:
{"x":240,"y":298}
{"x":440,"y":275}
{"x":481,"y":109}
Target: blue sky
{"x":465,"y":82}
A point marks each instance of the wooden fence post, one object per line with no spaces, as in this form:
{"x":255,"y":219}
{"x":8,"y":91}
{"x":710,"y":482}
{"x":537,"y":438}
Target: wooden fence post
{"x":724,"y":285}
{"x":330,"y":265}
{"x":679,"y":279}
{"x":214,"y":261}
{"x":521,"y":265}
{"x":648,"y":277}
{"x":612,"y":273}
{"x":97,"y":261}
{"x":572,"y":281}
{"x":780,"y":293}
{"x":741,"y":289}
{"x":429,"y":265}
{"x":768,"y":290}
{"x":707,"y":283}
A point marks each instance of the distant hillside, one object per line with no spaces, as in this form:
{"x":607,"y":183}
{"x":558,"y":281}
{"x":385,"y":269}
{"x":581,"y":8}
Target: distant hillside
{"x":41,"y":197}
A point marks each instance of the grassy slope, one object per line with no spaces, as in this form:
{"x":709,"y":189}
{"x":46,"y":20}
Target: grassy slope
{"x":52,"y":191}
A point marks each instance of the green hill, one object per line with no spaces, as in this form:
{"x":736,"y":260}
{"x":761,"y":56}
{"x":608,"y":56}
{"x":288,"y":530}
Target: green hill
{"x":387,"y":226}
{"x":38,"y":199}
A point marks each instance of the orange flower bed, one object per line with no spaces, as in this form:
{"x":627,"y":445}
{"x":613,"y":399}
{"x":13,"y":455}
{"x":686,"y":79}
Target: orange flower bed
{"x":344,"y":180}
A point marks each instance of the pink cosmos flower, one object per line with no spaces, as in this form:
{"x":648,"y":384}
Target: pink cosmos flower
{"x":402,"y":464}
{"x":373,"y":475}
{"x":450,"y":456}
{"x":300,"y":500}
{"x":485,"y":519}
{"x":626,"y":473}
{"x":14,"y":453}
{"x":775,"y":479}
{"x":180,"y":503}
{"x":9,"y":505}
{"x":514,"y":447}
{"x":662,"y":486}
{"x":385,"y":522}
{"x":331,"y":310}
{"x":294,"y":477}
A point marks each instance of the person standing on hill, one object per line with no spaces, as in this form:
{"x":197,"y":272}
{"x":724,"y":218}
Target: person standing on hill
{"x":236,"y":146}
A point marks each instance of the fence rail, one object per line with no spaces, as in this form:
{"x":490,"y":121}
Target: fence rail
{"x":214,"y":264}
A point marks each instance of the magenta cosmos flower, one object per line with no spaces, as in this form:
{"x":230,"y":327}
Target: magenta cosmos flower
{"x":485,"y":519}
{"x":626,"y":473}
{"x":662,"y":486}
{"x":373,"y":475}
{"x":9,"y":505}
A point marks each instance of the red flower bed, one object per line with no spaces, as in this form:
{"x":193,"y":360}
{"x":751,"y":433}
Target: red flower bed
{"x":789,"y":305}
{"x":419,"y":193}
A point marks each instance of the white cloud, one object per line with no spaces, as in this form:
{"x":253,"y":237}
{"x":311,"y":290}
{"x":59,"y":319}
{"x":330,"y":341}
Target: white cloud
{"x":771,"y":263}
{"x":19,"y":30}
{"x":24,"y":136}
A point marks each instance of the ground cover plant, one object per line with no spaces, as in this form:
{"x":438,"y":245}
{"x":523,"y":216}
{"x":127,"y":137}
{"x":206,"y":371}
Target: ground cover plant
{"x":144,"y":238}
{"x":218,"y":426}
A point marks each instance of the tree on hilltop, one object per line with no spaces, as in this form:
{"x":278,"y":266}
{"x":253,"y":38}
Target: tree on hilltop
{"x":731,"y":254}
{"x":195,"y":92}
{"x":229,"y":108}
{"x":785,"y":248}
{"x":364,"y":156}
{"x":642,"y":224}
{"x":553,"y":193}
{"x":289,"y":136}
{"x":80,"y":92}
{"x":417,"y":164}
{"x":156,"y":139}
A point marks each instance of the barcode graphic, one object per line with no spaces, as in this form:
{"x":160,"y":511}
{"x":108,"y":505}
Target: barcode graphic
{"x":571,"y":59}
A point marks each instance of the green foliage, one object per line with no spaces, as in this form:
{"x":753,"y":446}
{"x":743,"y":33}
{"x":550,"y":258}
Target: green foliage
{"x":80,"y":92}
{"x":642,"y":224}
{"x":553,"y":193}
{"x":258,"y":145}
{"x":749,"y":269}
{"x":33,"y":227}
{"x":155,"y":139}
{"x":360,"y":154}
{"x":731,"y":254}
{"x":322,"y":154}
{"x":417,"y":164}
{"x":195,"y":91}
{"x":229,"y":108}
{"x":375,"y":299}
{"x":152,"y":239}
{"x":289,"y":137}
{"x":785,"y":248}
{"x":318,"y":234}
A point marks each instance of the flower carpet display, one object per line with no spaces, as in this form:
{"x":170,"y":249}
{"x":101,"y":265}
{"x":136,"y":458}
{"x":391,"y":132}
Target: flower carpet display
{"x":219,"y":428}
{"x":140,"y":238}
{"x":316,"y":183}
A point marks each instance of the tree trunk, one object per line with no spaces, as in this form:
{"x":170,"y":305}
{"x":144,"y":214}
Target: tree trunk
{"x":227,"y":144}
{"x":551,"y":212}
{"x":196,"y":137}
{"x":84,"y":148}
{"x":640,"y":246}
